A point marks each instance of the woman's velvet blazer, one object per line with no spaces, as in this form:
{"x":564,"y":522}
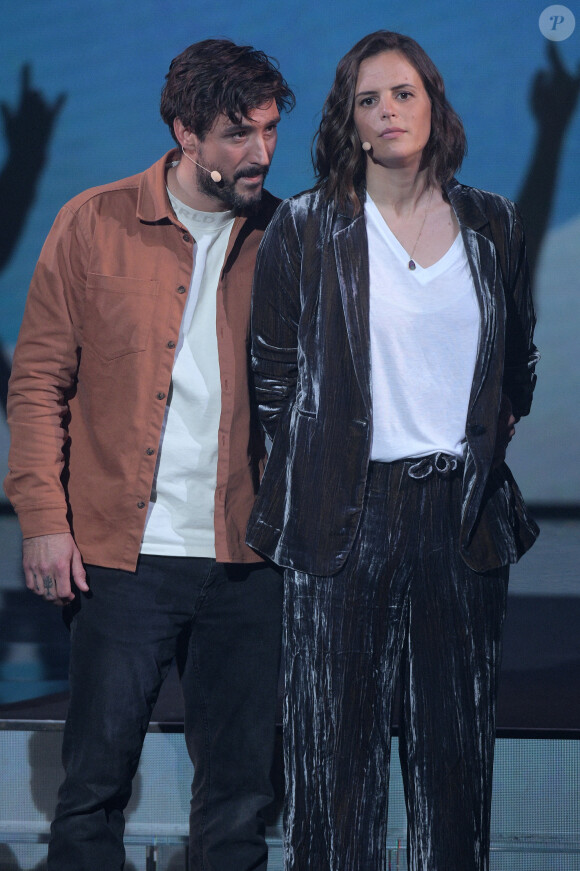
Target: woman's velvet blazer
{"x":312,"y":376}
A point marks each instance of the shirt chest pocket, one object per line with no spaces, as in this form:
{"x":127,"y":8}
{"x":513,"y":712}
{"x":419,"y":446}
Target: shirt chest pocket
{"x":119,"y":314}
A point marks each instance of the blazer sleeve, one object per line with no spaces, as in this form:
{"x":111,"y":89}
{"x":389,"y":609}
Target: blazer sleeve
{"x":521,"y":355}
{"x":275,"y":316}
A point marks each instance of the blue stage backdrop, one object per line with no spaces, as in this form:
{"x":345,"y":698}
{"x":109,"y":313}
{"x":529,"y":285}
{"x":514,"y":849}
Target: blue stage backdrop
{"x":515,"y":89}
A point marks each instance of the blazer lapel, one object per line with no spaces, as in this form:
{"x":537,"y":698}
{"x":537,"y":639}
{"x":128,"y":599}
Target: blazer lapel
{"x":482,"y":260}
{"x":352,"y":263}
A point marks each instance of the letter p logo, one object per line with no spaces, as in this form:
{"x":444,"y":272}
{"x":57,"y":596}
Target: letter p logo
{"x":557,"y":23}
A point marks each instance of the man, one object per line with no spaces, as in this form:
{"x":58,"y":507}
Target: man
{"x":136,"y":455}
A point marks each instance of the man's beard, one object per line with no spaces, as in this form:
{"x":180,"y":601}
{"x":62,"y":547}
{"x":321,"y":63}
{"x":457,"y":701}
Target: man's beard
{"x":225,"y":190}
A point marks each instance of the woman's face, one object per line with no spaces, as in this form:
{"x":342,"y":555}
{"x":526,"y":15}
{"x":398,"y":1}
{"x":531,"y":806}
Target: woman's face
{"x":392,"y":110}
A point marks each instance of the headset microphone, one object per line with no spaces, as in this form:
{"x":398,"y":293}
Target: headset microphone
{"x":214,"y":174}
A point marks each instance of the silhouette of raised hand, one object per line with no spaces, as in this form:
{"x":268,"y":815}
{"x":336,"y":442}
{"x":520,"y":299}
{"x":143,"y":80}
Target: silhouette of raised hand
{"x":553,"y":99}
{"x":555,"y":92}
{"x":28,"y":127}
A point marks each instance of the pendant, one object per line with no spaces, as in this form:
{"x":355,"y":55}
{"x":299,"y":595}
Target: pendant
{"x":412,"y":265}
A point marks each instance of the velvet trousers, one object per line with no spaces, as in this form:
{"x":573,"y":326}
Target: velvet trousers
{"x":404,"y":608}
{"x":222,"y":624}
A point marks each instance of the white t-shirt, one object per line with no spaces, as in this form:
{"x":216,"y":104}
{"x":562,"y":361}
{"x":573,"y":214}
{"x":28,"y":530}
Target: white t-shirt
{"x":424,"y":327}
{"x":180,"y":519}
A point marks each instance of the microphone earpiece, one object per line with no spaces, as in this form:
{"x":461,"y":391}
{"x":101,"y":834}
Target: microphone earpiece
{"x":366,"y":146}
{"x":214,"y":174}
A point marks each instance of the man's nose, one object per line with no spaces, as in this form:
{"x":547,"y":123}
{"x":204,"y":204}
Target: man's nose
{"x":260,"y":153}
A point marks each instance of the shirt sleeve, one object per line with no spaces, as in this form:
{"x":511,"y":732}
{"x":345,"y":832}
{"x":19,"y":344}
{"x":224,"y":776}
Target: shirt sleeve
{"x":43,"y":376}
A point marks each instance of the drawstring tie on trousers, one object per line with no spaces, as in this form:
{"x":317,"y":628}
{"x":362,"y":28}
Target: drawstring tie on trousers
{"x":443,"y":464}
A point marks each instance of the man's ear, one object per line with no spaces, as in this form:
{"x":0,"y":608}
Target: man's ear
{"x":185,"y":137}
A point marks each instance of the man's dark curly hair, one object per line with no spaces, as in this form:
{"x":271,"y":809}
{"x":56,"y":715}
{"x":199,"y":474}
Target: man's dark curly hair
{"x":215,"y":77}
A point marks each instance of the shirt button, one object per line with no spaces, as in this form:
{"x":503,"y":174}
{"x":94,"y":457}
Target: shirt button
{"x":161,"y":395}
{"x":140,"y":505}
{"x":181,"y":289}
{"x":186,"y":237}
{"x":150,"y":452}
{"x":171,"y":344}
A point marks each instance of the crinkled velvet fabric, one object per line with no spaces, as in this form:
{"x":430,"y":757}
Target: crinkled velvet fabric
{"x":404,"y":607}
{"x":311,"y":362}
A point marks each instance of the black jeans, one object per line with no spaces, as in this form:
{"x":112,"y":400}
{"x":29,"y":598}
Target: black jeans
{"x":222,"y":625}
{"x":404,"y":607}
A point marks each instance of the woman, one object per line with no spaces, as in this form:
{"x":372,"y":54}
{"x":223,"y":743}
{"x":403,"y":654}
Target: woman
{"x":393,"y":355}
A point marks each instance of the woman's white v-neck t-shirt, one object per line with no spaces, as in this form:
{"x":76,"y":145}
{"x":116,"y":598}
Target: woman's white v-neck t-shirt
{"x":424,"y":328}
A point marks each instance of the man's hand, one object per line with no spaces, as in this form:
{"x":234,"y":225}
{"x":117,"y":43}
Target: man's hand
{"x":506,"y":428}
{"x":50,"y":561}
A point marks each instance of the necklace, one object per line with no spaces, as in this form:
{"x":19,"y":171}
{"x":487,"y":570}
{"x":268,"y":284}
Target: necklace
{"x":412,"y":264}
